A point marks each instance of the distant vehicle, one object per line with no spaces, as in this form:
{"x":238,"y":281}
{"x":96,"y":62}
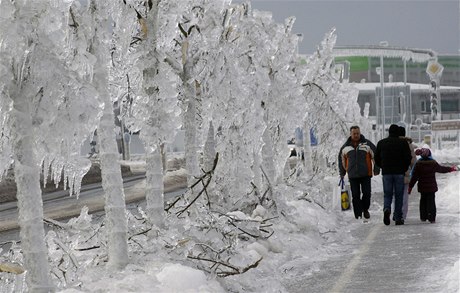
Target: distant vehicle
{"x":291,"y":145}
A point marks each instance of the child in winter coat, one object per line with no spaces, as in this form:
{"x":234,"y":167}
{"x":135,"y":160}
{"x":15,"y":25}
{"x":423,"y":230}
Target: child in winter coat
{"x":424,"y":172}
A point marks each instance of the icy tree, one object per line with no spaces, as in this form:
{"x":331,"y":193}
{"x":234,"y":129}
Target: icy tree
{"x":250,"y":77}
{"x":332,"y":105}
{"x":284,"y":105}
{"x":263,"y":92}
{"x":115,"y":207}
{"x":151,"y":95}
{"x":199,"y":27}
{"x":233,"y":103}
{"x":91,"y":33}
{"x":44,"y":118}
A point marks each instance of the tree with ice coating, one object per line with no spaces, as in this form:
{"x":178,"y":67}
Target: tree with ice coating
{"x":332,"y":105}
{"x":93,"y":36}
{"x":192,"y":57}
{"x":42,"y":101}
{"x":250,"y":77}
{"x":233,"y":103}
{"x":98,"y":17}
{"x":153,"y":108}
{"x":256,"y":92}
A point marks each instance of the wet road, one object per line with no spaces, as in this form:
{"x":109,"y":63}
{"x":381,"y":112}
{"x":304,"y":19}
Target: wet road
{"x":59,"y":205}
{"x":379,"y":258}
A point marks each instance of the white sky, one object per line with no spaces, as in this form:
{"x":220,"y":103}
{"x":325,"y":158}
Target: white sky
{"x":425,"y":24}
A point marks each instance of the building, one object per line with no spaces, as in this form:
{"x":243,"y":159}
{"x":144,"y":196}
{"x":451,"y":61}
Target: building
{"x":414,"y":94}
{"x":365,"y":67}
{"x":407,"y":86}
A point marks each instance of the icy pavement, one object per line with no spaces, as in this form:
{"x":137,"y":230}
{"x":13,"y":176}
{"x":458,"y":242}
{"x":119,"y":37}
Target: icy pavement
{"x":415,"y":257}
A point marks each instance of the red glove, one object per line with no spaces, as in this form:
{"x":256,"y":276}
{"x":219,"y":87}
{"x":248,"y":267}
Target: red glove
{"x":453,"y":169}
{"x":409,"y":190}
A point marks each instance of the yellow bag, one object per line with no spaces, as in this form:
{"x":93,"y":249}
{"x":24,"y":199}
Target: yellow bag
{"x":344,"y":198}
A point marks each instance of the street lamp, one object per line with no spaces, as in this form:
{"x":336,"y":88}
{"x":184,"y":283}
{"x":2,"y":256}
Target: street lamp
{"x":382,"y":91}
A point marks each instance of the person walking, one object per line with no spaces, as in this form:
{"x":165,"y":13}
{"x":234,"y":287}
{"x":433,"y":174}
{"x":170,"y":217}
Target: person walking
{"x":425,"y":173}
{"x":393,"y":157}
{"x":405,"y":206}
{"x":356,"y":157}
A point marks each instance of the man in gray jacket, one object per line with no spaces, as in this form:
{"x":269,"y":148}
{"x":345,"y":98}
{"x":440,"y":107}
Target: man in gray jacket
{"x":356,"y":157}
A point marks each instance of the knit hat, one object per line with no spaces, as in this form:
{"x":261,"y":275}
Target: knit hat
{"x":393,"y":130}
{"x":423,"y":152}
{"x":401,"y":131}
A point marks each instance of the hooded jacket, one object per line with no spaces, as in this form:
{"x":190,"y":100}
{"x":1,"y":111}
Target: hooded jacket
{"x":393,"y":154}
{"x":357,"y":161}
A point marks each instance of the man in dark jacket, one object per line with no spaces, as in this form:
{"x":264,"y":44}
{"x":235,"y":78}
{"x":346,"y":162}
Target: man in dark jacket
{"x":356,"y":157}
{"x":393,"y":156}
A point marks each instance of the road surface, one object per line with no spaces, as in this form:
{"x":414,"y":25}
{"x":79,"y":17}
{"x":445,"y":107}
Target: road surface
{"x":379,"y":258}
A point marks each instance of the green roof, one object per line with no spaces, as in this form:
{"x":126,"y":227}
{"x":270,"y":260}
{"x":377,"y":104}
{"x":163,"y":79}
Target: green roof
{"x":357,"y":63}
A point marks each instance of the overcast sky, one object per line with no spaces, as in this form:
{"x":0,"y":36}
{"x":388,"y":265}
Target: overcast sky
{"x":424,"y":24}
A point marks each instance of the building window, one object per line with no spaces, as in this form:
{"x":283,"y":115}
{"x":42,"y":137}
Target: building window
{"x":425,"y":107}
{"x":449,"y":106}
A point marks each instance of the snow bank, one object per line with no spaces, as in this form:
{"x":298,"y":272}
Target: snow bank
{"x":153,"y":277}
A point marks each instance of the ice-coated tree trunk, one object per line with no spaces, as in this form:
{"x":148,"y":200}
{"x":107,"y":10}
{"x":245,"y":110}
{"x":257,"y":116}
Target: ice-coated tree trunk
{"x":154,"y":192}
{"x":112,"y":182}
{"x":154,"y":153}
{"x":30,"y":205}
{"x":307,"y":149}
{"x":268,"y":164}
{"x":191,"y":159}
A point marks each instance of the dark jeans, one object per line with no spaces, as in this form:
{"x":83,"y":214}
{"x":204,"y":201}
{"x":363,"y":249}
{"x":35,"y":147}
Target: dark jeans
{"x":393,"y":185}
{"x":427,"y":206}
{"x":359,"y":185}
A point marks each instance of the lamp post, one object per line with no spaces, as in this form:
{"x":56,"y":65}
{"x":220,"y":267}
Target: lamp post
{"x":382,"y":90}
{"x":402,"y":106}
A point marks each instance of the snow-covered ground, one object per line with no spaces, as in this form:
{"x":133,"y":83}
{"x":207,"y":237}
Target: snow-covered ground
{"x":312,"y":227}
{"x":308,"y":231}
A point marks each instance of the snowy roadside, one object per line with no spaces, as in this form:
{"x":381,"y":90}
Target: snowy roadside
{"x":310,"y":230}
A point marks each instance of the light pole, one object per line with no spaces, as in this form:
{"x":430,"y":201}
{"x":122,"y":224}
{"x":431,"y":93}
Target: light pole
{"x":382,"y":91}
{"x":402,"y":106}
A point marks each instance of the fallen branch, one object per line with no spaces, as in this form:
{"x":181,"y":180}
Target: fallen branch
{"x":233,"y":269}
{"x":87,"y":248}
{"x":208,"y":176}
{"x":140,"y":233}
{"x":55,"y":223}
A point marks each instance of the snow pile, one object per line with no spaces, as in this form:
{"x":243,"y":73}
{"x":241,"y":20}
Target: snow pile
{"x":448,"y":195}
{"x":451,"y":155}
{"x":153,"y":277}
{"x":167,"y":261}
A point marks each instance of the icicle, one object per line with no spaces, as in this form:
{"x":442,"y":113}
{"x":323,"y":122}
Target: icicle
{"x":267,"y":157}
{"x":209,"y":149}
{"x":46,"y":170}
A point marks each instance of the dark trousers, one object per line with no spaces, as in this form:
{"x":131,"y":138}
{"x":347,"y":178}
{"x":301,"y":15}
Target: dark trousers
{"x":358,"y":186}
{"x":427,"y":206}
